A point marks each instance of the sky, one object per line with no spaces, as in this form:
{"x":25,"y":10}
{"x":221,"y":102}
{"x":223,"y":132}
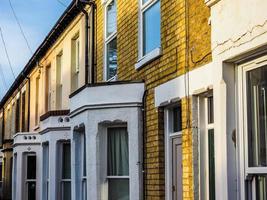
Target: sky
{"x":36,"y":17}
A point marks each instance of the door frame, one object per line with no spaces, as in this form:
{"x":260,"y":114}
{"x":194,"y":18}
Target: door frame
{"x":169,"y":135}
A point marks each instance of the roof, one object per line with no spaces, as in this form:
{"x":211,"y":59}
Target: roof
{"x":63,"y":22}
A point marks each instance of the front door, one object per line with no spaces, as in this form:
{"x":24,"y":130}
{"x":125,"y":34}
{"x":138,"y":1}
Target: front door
{"x":177,"y":178}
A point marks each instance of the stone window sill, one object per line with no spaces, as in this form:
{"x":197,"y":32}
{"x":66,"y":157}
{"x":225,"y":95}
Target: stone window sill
{"x":211,"y":2}
{"x":148,"y":58}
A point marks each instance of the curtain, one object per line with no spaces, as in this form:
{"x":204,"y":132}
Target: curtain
{"x":118,"y":154}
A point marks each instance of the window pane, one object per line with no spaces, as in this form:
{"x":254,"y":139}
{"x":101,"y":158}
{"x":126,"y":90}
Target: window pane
{"x":112,"y":58}
{"x":66,"y":163}
{"x":151,"y":28}
{"x":118,"y":156}
{"x":31,"y":190}
{"x":66,"y":190}
{"x":31,"y":167}
{"x":211,"y":165}
{"x":144,"y":1}
{"x":111,"y":18}
{"x":210,"y":110}
{"x":177,"y":119}
{"x":256,"y":116}
{"x":118,"y":189}
{"x":261,"y":187}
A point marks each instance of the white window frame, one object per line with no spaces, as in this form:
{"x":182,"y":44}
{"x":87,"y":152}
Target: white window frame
{"x":84,"y":165}
{"x":168,"y":136}
{"x":107,"y":40}
{"x":59,"y":79}
{"x":203,"y":112}
{"x":60,"y":168}
{"x":144,"y":59}
{"x":26,"y":182}
{"x":77,"y":53}
{"x":106,"y":161}
{"x":245,"y":170}
{"x":46,"y":170}
{"x":48,"y":89}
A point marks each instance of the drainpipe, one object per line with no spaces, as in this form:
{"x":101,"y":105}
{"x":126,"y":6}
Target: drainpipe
{"x":93,"y":6}
{"x":144,"y":142}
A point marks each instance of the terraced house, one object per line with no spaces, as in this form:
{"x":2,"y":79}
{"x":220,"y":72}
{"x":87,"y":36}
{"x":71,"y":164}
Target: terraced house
{"x":141,"y":99}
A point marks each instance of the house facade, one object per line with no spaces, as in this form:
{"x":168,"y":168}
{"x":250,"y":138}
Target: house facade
{"x":147,"y":99}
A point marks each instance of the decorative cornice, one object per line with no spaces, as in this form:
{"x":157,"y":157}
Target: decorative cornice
{"x":211,"y":2}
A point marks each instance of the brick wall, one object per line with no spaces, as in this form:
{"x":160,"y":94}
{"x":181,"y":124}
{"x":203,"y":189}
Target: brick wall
{"x":171,"y":64}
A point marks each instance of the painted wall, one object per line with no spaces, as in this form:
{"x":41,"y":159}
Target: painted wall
{"x":63,"y":44}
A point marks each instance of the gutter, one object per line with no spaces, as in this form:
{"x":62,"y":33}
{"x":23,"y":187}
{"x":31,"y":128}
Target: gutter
{"x":93,"y":6}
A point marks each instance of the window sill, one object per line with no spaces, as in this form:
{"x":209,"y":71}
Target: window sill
{"x":148,"y":58}
{"x":211,"y":2}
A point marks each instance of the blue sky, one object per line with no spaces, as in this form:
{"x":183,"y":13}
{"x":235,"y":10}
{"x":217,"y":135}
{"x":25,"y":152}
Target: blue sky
{"x":37,"y":17}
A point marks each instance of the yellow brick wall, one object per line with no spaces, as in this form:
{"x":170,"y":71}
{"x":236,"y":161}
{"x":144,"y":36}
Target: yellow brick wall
{"x":187,"y":146}
{"x":171,"y":64}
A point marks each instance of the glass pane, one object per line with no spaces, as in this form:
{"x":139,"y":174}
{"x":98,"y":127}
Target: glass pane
{"x":66,"y":190}
{"x":31,"y":167}
{"x":257,"y":116}
{"x":84,"y":190}
{"x":261,"y":187}
{"x":210,"y":110}
{"x":144,"y":1}
{"x":84,"y":153}
{"x":111,"y":18}
{"x":118,"y":189}
{"x":177,"y":119}
{"x":118,"y":155}
{"x":151,"y":28}
{"x":31,"y":186}
{"x":66,"y":163}
{"x":211,"y":165}
{"x":112,"y":58}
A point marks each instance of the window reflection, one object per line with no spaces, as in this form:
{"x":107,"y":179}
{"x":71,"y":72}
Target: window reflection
{"x":112,"y":59}
{"x":151,"y":28}
{"x":257,"y":116}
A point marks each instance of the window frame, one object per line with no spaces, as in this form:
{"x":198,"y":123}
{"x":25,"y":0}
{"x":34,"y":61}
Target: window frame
{"x":107,"y":40}
{"x":108,"y":177}
{"x":246,"y":172}
{"x":155,"y":53}
{"x":62,"y":180}
{"x":75,"y":61}
{"x":59,"y":79}
{"x":48,"y":89}
{"x":204,"y":128}
{"x":26,"y":180}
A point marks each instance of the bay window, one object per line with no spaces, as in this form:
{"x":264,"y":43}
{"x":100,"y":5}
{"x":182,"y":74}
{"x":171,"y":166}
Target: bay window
{"x":111,"y":40}
{"x":118,"y":163}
